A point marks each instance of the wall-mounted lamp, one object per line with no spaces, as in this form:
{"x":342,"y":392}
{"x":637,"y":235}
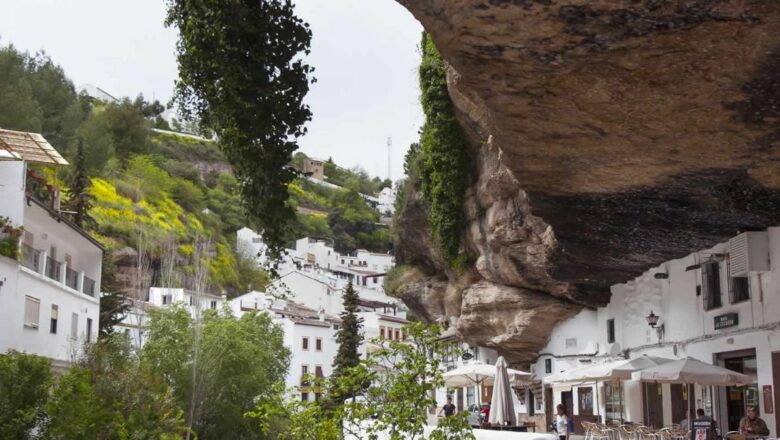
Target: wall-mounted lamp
{"x":652,"y":320}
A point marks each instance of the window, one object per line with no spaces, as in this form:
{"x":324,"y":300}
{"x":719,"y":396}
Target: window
{"x":55,"y":311}
{"x":74,"y":325}
{"x":397,"y":335}
{"x":304,"y":374}
{"x":374,"y":280}
{"x":257,"y":240}
{"x":470,"y":396}
{"x":531,"y":403}
{"x":381,"y":332}
{"x":304,"y":397}
{"x":318,"y":372}
{"x":305,"y":343}
{"x":548,"y":366}
{"x":167,"y":299}
{"x":32,"y":308}
{"x":710,"y":285}
{"x":318,"y":344}
{"x":213,"y":304}
{"x":89,"y":329}
{"x":740,"y":289}
{"x":610,"y":331}
{"x":192,"y":301}
{"x":317,"y":396}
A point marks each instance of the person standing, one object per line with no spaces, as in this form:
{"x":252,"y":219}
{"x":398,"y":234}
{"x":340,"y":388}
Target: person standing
{"x":562,"y":423}
{"x":752,"y":425}
{"x":448,"y":409}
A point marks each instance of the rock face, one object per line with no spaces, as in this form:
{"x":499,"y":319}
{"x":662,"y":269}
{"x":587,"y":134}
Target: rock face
{"x":608,"y":136}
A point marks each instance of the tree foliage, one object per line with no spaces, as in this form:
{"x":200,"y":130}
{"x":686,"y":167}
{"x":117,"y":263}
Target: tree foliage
{"x":241,"y":75}
{"x":24,"y":387}
{"x":403,"y":376}
{"x":80,"y":200}
{"x":443,"y":159}
{"x":113,"y":305}
{"x":218,"y":374}
{"x":348,"y":336}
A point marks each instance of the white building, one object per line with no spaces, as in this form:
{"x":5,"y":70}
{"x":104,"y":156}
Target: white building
{"x":386,"y":199}
{"x":135,"y":321}
{"x":195,"y":302}
{"x":309,"y":334}
{"x":49,"y":299}
{"x":719,"y":305}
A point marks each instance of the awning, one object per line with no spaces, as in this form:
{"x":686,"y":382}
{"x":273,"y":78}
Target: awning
{"x":30,"y":147}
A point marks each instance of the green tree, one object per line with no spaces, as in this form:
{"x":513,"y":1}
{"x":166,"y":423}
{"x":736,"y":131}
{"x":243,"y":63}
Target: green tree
{"x":403,"y":376}
{"x":110,"y":395}
{"x":241,"y":74}
{"x":348,"y":335}
{"x":113,"y":303}
{"x":236,"y":363}
{"x":98,"y":143}
{"x":80,"y":200}
{"x":128,"y":128}
{"x":24,"y":387}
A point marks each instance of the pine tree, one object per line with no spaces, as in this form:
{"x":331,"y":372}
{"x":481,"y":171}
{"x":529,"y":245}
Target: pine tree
{"x":349,"y":339}
{"x":112,"y":304}
{"x":79,"y":198}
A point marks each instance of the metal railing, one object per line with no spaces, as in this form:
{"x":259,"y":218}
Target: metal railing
{"x":71,"y":278}
{"x":89,"y":286}
{"x":31,"y":258}
{"x":53,"y":268}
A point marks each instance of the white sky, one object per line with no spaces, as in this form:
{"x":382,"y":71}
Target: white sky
{"x":365,"y":53}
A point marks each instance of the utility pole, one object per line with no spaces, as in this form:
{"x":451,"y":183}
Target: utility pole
{"x":389,"y":150}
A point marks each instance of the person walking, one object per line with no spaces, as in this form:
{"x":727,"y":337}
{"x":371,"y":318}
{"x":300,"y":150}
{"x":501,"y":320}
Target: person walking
{"x":448,"y":409}
{"x":562,"y":423}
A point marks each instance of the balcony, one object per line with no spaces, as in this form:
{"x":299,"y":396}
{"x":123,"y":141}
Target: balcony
{"x":53,"y":268}
{"x":31,"y":258}
{"x":44,"y":265}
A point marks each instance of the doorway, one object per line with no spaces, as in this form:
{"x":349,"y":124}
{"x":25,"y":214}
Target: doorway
{"x":548,"y":406}
{"x":734,"y":401}
{"x":585,"y":400}
{"x":567,"y":401}
{"x":459,"y":401}
{"x":652,"y":395}
{"x":487,"y":393}
{"x":682,"y":403}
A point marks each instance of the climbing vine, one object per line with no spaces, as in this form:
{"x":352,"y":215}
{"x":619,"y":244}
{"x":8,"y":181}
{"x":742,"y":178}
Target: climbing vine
{"x":443,"y":160}
{"x":241,"y":74}
{"x":9,"y":240}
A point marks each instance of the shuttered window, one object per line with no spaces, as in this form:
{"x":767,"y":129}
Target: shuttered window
{"x":32,"y":309}
{"x":710,"y":285}
{"x":74,"y":325}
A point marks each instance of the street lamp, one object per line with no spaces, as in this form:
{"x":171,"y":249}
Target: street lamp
{"x":652,"y":320}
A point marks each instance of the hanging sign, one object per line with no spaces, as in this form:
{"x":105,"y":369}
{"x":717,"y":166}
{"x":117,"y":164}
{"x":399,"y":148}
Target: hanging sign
{"x":726,"y":320}
{"x":768,"y":403}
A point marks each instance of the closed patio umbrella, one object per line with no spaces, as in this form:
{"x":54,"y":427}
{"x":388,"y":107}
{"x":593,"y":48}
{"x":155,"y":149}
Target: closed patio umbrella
{"x":502,"y":408}
{"x":618,"y":370}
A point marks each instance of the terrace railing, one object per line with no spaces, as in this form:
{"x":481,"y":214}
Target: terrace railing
{"x":71,"y":278}
{"x":53,"y":268}
{"x":89,"y":286}
{"x":31,"y":258}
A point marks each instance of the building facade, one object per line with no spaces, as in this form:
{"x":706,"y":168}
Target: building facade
{"x":720,"y":305}
{"x":50,"y":294}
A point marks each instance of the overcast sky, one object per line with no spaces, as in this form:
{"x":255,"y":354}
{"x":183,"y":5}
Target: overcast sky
{"x":365,"y":53}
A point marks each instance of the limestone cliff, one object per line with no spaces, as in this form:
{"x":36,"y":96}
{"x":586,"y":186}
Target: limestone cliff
{"x":607,"y":136}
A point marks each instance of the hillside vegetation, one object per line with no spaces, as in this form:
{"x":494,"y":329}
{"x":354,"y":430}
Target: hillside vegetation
{"x":161,"y":201}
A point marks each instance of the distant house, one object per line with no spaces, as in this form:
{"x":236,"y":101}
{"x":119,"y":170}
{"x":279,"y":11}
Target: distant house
{"x":50,"y":295}
{"x":96,"y":93}
{"x":314,"y":168}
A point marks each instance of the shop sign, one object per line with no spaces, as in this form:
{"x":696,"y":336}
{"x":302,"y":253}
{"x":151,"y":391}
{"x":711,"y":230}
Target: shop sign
{"x":726,"y":320}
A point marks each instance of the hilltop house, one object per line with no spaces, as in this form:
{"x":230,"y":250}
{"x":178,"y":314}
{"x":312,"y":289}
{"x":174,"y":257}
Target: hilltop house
{"x":50,"y":294}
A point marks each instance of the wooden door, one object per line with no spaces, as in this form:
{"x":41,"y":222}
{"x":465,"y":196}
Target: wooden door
{"x":679,"y":403}
{"x":653,"y":400}
{"x":568,"y":402}
{"x":487,"y":394}
{"x":548,"y":406}
{"x":459,"y":401}
{"x":776,"y":385}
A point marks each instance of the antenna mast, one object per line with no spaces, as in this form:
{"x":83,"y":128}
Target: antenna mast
{"x":389,"y":149}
